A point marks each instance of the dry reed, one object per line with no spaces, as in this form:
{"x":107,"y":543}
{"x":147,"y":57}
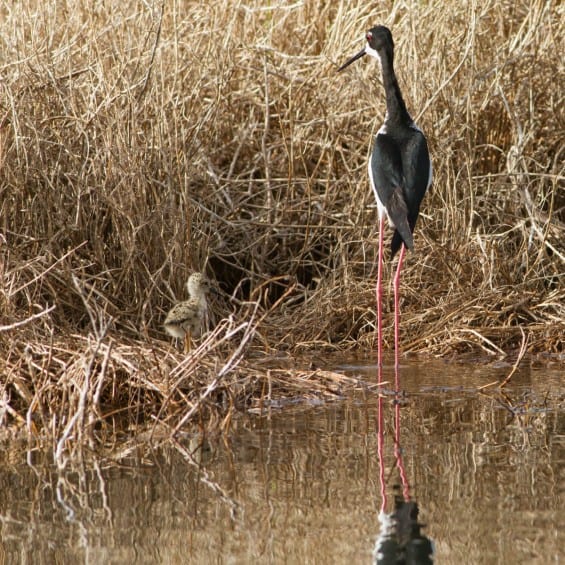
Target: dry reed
{"x":142,"y":141}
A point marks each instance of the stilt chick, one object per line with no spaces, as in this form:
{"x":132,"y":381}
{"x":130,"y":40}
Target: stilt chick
{"x":185,"y":319}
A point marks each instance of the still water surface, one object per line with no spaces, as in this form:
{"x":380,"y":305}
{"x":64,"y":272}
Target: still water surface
{"x":317,"y":484}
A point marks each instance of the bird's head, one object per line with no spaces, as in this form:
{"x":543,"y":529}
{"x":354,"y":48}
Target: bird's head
{"x":379,"y":44}
{"x":198,"y":284}
{"x":379,"y":39}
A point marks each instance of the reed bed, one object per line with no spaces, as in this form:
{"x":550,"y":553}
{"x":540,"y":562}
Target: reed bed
{"x":141,"y":141}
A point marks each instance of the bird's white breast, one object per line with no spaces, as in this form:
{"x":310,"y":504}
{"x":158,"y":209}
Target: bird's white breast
{"x":380,"y":206}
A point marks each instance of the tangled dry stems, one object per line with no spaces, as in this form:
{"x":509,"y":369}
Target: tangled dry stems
{"x":142,"y":141}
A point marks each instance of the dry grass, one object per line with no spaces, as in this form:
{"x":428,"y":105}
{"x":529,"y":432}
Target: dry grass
{"x":140,"y":141}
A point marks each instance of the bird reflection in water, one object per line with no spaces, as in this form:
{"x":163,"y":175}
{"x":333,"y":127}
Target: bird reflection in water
{"x":400,"y":539}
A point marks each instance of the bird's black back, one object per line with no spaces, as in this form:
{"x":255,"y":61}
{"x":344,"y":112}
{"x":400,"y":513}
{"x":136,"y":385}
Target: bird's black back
{"x":416,"y":167}
{"x":401,"y":171}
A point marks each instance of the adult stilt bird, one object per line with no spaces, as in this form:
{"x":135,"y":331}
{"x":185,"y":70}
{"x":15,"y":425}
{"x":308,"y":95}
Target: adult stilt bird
{"x":400,"y":170}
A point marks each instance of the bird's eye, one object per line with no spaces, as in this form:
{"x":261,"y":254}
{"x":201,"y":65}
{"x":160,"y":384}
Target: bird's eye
{"x":369,"y":36}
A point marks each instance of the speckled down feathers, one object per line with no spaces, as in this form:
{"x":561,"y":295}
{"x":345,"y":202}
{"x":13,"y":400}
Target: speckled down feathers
{"x":187,"y":317}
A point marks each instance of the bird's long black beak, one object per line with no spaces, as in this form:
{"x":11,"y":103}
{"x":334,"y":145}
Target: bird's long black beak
{"x":353,"y":59}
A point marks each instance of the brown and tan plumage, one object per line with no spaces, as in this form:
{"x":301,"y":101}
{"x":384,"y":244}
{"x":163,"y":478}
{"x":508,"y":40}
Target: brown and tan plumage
{"x":185,"y":319}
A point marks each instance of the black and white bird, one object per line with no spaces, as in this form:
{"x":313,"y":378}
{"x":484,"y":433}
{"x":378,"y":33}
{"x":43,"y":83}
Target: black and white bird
{"x":400,"y":170}
{"x":185,"y":319}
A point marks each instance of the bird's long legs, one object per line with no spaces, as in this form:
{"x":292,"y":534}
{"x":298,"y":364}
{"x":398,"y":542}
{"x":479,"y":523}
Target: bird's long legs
{"x":396,"y":283}
{"x":380,"y":296}
{"x":397,"y":313}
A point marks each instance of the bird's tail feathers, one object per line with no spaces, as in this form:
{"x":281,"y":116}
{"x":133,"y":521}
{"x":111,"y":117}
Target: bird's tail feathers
{"x":398,"y":214}
{"x":399,"y":238}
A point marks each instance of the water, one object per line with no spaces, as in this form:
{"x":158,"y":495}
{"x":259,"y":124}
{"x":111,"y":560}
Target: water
{"x":310,"y":485}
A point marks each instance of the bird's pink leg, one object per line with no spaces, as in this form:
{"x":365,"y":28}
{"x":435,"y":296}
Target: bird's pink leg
{"x":380,"y":295}
{"x":397,"y":313}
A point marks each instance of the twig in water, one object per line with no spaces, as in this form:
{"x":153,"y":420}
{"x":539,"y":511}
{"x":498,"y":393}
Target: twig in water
{"x":521,"y":354}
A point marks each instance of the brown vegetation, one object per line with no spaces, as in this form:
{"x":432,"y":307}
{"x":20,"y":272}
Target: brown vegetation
{"x":142,"y":141}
